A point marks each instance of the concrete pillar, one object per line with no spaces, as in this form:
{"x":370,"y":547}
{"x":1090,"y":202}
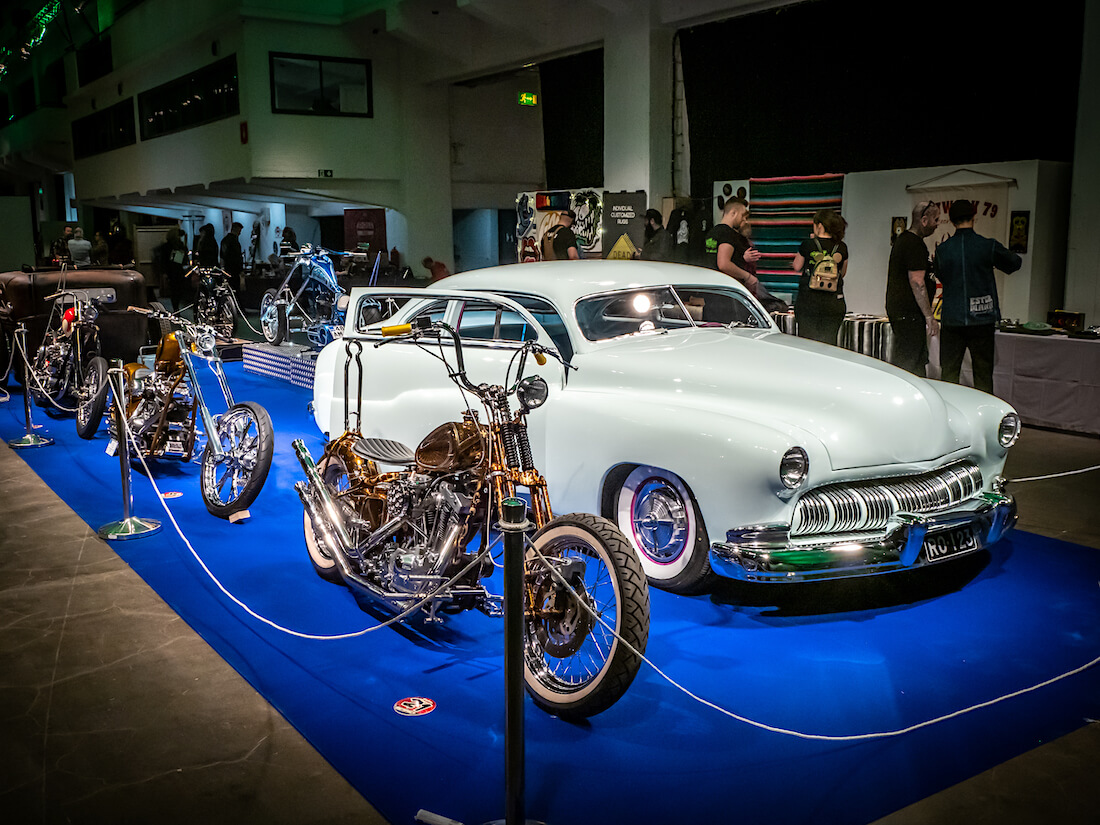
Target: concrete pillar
{"x":425,"y":170}
{"x":638,"y":102}
{"x":1083,"y":258}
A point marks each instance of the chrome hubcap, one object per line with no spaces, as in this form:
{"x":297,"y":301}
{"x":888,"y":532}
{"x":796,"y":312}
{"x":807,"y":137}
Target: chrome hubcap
{"x":660,"y":521}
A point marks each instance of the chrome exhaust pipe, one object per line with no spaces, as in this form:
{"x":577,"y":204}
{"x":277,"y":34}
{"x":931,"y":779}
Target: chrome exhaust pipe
{"x":328,"y":525}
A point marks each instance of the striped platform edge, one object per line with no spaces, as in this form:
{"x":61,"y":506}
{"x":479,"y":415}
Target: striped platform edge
{"x":289,"y":362}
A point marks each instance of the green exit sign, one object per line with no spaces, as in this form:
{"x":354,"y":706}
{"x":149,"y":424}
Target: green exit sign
{"x":528,"y":99}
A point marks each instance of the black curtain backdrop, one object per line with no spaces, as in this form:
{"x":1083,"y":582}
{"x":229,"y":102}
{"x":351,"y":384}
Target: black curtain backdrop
{"x":572,"y":120}
{"x":852,"y":85}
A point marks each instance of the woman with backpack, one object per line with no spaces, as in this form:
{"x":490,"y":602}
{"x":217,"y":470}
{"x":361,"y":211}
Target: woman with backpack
{"x":822,"y":259}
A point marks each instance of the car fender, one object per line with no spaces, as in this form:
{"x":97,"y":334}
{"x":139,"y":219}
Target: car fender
{"x":730,"y":465}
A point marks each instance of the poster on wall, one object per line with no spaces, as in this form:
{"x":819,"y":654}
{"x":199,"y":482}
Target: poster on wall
{"x":365,"y":226}
{"x":725,"y":190}
{"x":624,"y":223}
{"x":536,"y":212}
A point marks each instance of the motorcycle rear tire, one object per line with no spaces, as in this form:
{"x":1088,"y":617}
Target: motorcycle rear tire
{"x":334,"y":474}
{"x":92,"y":398}
{"x":273,"y":318}
{"x":605,"y":666}
{"x":247,"y":439}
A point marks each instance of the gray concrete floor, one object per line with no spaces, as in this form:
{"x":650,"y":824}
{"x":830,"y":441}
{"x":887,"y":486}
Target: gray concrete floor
{"x":114,"y":710}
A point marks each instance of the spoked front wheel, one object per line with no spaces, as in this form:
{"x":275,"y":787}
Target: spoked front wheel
{"x":91,"y":398}
{"x":575,"y":661}
{"x":231,"y":482}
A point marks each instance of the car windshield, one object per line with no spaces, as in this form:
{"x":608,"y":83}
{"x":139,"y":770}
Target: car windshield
{"x":656,"y":309}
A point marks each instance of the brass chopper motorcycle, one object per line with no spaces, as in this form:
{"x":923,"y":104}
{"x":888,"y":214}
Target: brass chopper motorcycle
{"x":403,"y":538}
{"x":164,"y":404}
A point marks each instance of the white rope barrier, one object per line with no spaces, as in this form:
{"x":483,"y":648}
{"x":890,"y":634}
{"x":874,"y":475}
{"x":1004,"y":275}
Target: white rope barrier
{"x":787,"y":731}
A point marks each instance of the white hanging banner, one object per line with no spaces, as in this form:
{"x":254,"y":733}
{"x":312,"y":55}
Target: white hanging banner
{"x":991,"y":209}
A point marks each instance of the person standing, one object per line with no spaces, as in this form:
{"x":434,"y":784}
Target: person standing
{"x":232,"y":256}
{"x":968,"y":320}
{"x":207,"y":246}
{"x":823,"y":261}
{"x":658,"y":241}
{"x":99,"y":250}
{"x":909,"y":289}
{"x":729,"y":251}
{"x":173,"y":255}
{"x":560,"y":242}
{"x":80,"y":248}
{"x":59,"y":249}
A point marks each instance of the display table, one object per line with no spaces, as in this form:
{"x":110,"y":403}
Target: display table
{"x":1051,"y":380}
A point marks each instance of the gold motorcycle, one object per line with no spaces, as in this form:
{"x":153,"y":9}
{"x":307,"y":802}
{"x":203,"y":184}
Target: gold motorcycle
{"x":418,"y":539}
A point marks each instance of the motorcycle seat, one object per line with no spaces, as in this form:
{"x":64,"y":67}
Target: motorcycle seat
{"x":383,"y":450}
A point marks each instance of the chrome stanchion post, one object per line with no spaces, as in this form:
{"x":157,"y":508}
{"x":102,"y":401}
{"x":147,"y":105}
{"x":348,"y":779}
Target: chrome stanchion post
{"x":31,"y":439}
{"x":130,"y":526}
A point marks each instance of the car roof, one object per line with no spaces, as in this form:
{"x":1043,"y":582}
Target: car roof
{"x":563,"y":282}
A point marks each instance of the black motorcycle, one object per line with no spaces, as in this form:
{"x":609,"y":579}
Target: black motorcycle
{"x":67,"y":365}
{"x":215,"y":304}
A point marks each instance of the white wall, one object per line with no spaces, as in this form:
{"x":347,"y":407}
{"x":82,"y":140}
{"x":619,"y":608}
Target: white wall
{"x":871,"y":199}
{"x":496,"y":144}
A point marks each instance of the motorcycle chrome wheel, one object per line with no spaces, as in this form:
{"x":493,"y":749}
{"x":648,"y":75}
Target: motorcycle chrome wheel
{"x":575,"y":662}
{"x":231,"y":482}
{"x":91,"y":398}
{"x":273,"y":318}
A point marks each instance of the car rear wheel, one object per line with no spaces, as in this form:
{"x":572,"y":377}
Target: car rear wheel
{"x":657,"y":513}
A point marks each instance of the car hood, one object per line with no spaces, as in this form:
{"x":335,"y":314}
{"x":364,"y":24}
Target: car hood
{"x":864,"y":412}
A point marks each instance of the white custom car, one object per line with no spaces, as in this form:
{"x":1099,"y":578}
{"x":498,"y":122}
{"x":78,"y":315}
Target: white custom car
{"x":718,"y":443}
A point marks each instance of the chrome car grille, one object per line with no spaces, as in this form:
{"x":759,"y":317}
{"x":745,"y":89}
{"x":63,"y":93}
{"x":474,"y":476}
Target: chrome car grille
{"x":863,"y":506}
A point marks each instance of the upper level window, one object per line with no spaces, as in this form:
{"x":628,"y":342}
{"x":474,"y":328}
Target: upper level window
{"x":305,"y":85}
{"x":102,"y":131}
{"x":203,"y":96}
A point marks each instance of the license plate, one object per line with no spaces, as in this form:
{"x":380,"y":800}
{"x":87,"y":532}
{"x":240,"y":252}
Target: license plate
{"x":951,"y":543}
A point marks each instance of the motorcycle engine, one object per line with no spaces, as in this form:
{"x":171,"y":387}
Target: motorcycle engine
{"x":430,"y":509}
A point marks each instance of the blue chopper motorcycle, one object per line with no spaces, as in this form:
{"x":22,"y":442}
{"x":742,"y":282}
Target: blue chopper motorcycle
{"x":318,"y":307}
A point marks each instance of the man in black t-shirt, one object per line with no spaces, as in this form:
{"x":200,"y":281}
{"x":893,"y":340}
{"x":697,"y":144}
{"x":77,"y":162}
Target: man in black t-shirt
{"x":728,"y":251}
{"x":909,"y":289}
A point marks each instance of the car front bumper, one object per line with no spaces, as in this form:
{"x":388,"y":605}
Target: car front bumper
{"x":768,"y":553}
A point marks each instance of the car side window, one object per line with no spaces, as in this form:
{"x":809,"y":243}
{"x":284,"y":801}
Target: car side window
{"x":488,"y":322}
{"x":372,"y":311}
{"x":549,"y":319}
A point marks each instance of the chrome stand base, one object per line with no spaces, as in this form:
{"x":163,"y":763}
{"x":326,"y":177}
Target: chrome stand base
{"x":129,"y":528}
{"x":29,"y":440}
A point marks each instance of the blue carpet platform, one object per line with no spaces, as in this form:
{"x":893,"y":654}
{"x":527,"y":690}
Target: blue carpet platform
{"x":833,"y":660}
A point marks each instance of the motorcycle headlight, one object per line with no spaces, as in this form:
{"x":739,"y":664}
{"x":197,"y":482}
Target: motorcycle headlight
{"x":1009,"y":430}
{"x":793,"y":467}
{"x":205,"y":341}
{"x":532,"y":392}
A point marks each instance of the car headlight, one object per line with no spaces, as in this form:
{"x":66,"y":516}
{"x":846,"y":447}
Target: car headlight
{"x":793,"y":467}
{"x":1009,"y":431}
{"x":532,"y":392}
